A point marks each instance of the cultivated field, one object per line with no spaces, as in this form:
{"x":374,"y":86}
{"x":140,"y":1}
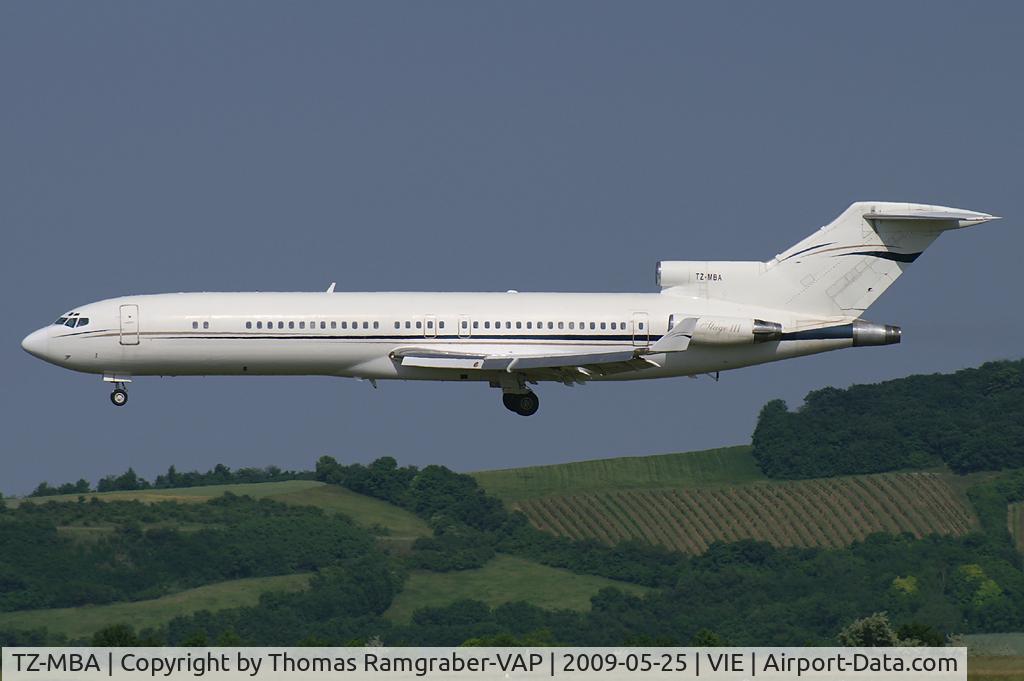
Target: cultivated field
{"x":727,"y":465}
{"x":83,"y":621}
{"x":829,"y":512}
{"x":1015,"y":521}
{"x":504,"y":579}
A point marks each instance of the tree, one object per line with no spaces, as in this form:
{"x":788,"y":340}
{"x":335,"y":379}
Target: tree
{"x":873,"y":631}
{"x":705,"y":638}
{"x":44,"y":489}
{"x":926,"y":634}
{"x":115,"y":636}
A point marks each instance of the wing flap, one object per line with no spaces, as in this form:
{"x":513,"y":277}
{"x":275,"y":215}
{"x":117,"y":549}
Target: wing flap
{"x":575,"y":367}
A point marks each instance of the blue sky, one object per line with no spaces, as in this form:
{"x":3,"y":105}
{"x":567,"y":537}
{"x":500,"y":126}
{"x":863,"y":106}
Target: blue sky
{"x":151,"y":147}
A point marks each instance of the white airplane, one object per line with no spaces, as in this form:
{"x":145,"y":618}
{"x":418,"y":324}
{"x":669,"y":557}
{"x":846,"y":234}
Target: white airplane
{"x":707,"y":318}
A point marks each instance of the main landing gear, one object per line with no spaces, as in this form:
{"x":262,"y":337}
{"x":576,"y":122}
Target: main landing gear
{"x":120,"y":396}
{"x":524,"y":404}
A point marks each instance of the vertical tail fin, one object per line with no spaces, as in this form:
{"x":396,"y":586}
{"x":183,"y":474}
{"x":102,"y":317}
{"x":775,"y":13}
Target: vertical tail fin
{"x":840,"y":270}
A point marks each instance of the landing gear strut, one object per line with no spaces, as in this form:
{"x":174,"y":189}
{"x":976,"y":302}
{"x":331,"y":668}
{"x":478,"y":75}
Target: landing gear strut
{"x":524,"y":404}
{"x":120,"y":396}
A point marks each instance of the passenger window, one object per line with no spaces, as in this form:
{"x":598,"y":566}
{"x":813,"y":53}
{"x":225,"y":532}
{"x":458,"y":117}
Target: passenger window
{"x":206,"y":325}
{"x":259,"y":325}
{"x":487,"y":325}
{"x":430,"y":324}
{"x":323,"y":325}
{"x":529,"y":325}
{"x":366,"y":325}
{"x":344,"y":325}
{"x":593,"y":325}
{"x":195,"y":325}
{"x":248,"y":325}
{"x":603,"y":326}
{"x":508,"y":325}
{"x":613,"y":326}
{"x":641,"y":326}
{"x":419,"y":325}
{"x":280,"y":325}
{"x":440,"y":325}
{"x":398,"y":325}
{"x":334,"y":325}
{"x":519,"y":325}
{"x":476,"y":325}
{"x":465,"y":324}
{"x":291,"y":325}
{"x":408,"y":325}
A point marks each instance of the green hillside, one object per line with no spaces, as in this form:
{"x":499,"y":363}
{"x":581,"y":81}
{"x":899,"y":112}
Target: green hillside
{"x":726,"y":465}
{"x":82,"y":622}
{"x":332,"y":498}
{"x":502,"y":580}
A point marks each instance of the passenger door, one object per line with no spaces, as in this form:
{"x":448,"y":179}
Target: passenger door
{"x":129,"y":325}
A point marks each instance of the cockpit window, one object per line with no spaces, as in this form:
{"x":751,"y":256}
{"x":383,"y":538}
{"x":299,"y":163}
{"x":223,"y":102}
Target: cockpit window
{"x":71,"y":320}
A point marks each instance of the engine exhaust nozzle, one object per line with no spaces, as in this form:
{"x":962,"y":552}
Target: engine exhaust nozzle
{"x":868,"y":333}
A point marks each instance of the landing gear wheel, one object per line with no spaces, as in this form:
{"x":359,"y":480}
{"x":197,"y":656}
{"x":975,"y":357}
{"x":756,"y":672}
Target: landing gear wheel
{"x":119,"y":397}
{"x":524,"y":404}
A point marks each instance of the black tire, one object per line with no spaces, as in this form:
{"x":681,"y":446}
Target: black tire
{"x":511,"y":401}
{"x":527,"y":404}
{"x":119,"y":398}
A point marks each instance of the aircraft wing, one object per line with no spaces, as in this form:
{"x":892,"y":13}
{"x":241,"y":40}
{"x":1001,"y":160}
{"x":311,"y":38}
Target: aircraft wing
{"x":566,"y":367}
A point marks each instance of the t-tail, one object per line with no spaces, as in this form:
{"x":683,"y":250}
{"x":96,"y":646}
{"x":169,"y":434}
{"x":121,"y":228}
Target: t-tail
{"x":836,"y":272}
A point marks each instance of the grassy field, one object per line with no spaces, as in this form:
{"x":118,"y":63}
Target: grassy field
{"x":502,"y":580}
{"x":996,"y":645}
{"x":84,"y":621}
{"x":828,"y":512}
{"x":988,"y":668}
{"x":368,"y":511}
{"x":1015,"y":521}
{"x":727,"y":465}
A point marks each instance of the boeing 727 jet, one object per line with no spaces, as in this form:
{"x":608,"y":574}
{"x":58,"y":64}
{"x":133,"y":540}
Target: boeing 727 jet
{"x":707,"y":317}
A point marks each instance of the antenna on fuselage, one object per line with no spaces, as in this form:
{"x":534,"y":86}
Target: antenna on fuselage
{"x":330,"y":289}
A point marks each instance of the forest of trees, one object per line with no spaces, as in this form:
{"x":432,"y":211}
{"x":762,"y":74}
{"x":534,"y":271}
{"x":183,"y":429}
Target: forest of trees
{"x":229,"y":537}
{"x":971,"y":420}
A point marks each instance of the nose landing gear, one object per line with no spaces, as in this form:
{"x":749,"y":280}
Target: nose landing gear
{"x":120,"y":396}
{"x":524,"y":404}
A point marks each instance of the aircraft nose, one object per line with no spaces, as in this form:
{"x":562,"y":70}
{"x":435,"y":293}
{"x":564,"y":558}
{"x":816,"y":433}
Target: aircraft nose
{"x":37,"y":343}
